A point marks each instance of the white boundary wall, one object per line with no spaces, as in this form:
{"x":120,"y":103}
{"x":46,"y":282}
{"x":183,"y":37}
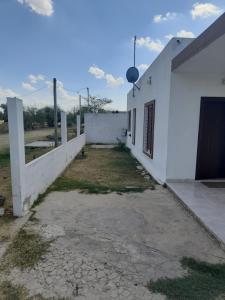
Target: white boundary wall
{"x":30,"y":180}
{"x":105,"y":128}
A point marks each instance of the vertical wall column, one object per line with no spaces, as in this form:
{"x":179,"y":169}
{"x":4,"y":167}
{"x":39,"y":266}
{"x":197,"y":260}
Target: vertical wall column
{"x":17,"y":153}
{"x":63,"y":127}
{"x":78,"y":125}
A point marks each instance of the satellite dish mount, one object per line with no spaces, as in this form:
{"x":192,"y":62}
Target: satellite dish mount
{"x":133,"y":73}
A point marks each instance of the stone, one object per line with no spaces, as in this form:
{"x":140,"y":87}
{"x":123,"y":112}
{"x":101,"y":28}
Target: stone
{"x":139,"y":167}
{"x":2,"y":200}
{"x":2,"y":211}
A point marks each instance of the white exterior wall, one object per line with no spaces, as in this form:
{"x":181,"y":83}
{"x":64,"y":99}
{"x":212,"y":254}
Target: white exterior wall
{"x":159,"y":90}
{"x":105,"y":128}
{"x":43,"y":171}
{"x":186,"y":92}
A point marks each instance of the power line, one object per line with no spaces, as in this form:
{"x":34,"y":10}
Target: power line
{"x":31,"y":93}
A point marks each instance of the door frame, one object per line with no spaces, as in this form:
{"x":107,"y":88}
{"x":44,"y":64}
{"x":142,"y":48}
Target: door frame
{"x":200,"y":131}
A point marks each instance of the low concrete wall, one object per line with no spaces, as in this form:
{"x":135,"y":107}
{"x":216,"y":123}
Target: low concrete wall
{"x":105,"y":128}
{"x":30,"y":180}
{"x":42,"y":172}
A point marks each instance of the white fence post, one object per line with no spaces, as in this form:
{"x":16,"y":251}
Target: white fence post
{"x":78,"y":125}
{"x":63,"y":128}
{"x":17,"y":153}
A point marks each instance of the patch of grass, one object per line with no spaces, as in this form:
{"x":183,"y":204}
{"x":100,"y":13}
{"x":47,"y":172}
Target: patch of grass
{"x":41,"y":198}
{"x":12,"y":292}
{"x":103,"y":171}
{"x":204,"y":282}
{"x":121,"y":147}
{"x":8,"y":291}
{"x":25,"y":251}
{"x":6,"y":223}
{"x":32,"y":218}
{"x":4,"y":159}
{"x":67,"y":184}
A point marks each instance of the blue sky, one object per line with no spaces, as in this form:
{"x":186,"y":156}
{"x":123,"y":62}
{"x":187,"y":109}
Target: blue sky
{"x":88,"y":43}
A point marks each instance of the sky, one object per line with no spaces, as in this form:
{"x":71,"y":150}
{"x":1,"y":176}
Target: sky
{"x":88,"y":43}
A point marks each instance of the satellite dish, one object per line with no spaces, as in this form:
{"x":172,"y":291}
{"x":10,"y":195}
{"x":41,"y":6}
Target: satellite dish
{"x":132,"y":74}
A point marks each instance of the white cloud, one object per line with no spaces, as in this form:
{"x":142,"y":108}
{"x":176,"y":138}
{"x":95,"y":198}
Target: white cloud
{"x":182,"y":34}
{"x":143,"y":67}
{"x":169,"y":36}
{"x":110,"y":79}
{"x":48,"y":83}
{"x":205,"y":10}
{"x":35,"y":78}
{"x":63,"y":95}
{"x":28,"y":86}
{"x":41,"y":7}
{"x":97,"y":72}
{"x":163,"y":18}
{"x":66,"y":100}
{"x":185,"y":34}
{"x":113,"y":81}
{"x":7,"y":93}
{"x":152,"y":45}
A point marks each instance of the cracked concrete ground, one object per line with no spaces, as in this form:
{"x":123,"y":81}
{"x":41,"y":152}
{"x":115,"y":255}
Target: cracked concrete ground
{"x":109,"y":246}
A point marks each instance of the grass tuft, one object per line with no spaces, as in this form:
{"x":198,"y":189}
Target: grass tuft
{"x":8,"y":291}
{"x":12,"y":292}
{"x":204,"y":282}
{"x":25,"y":251}
{"x":41,"y":198}
{"x":4,"y":159}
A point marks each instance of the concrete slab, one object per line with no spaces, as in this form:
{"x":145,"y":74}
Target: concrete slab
{"x":107,"y":247}
{"x":41,"y":144}
{"x":207,"y":204}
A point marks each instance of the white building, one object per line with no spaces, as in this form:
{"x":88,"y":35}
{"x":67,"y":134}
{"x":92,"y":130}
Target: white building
{"x":177,"y":118}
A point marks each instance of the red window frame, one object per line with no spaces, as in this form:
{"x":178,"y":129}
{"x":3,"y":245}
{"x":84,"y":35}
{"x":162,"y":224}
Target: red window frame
{"x":149,"y":126}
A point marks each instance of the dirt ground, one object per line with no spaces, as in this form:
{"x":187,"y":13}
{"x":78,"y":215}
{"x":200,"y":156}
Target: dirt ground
{"x":30,"y":136}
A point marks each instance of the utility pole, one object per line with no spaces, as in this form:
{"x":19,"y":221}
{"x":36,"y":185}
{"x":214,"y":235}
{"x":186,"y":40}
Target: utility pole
{"x":88,"y":98}
{"x":80,"y":104}
{"x":135,"y":41}
{"x":55,"y":111}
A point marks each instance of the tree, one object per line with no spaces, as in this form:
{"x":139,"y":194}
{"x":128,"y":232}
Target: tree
{"x":45,"y":116}
{"x":97,"y":104}
{"x":30,"y":117}
{"x":71,"y":118}
{"x":4,"y":113}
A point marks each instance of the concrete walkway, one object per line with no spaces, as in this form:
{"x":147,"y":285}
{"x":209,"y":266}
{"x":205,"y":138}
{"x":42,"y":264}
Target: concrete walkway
{"x":110,"y":246}
{"x":207,"y":204}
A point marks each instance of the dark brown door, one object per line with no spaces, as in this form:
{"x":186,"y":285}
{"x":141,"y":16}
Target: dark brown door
{"x":211,"y":140}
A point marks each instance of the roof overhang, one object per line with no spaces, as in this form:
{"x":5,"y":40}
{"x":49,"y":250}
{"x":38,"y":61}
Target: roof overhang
{"x":206,"y":53}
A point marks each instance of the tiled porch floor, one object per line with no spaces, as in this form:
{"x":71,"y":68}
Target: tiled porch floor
{"x":207,"y":204}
